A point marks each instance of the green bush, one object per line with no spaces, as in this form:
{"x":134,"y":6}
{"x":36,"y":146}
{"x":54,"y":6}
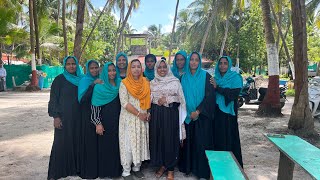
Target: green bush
{"x":290,"y":92}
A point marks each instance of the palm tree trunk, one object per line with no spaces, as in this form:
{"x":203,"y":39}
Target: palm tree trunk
{"x":36,"y":28}
{"x":224,"y":38}
{"x":280,"y":33}
{"x":34,"y":81}
{"x":94,"y":26}
{"x":64,"y":28}
{"x":71,"y":5}
{"x":172,"y":33}
{"x":204,"y":39}
{"x":79,"y":28}
{"x":58,"y":15}
{"x":238,"y":30}
{"x":318,"y":71}
{"x":300,"y":120}
{"x":123,"y":25}
{"x":270,"y":105}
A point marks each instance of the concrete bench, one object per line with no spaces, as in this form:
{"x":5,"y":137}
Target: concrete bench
{"x":224,"y":166}
{"x":295,"y":150}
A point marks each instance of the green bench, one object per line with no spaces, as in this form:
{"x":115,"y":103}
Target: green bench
{"x":224,"y":166}
{"x":295,"y":150}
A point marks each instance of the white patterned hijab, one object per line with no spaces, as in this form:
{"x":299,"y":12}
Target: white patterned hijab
{"x":159,"y":81}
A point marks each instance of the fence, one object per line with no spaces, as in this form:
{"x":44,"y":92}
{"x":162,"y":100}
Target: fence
{"x":21,"y":74}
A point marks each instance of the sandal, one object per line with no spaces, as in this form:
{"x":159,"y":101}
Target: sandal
{"x":170,"y":175}
{"x":160,"y":172}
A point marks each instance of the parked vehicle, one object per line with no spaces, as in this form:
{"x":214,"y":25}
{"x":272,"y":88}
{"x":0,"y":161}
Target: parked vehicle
{"x":249,"y":93}
{"x":314,"y":96}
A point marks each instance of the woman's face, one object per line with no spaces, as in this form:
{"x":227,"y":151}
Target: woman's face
{"x":122,"y":62}
{"x":150,"y":63}
{"x":136,"y":69}
{"x":94,"y":69}
{"x":112,"y":72}
{"x":223,"y":65}
{"x":180,"y":61}
{"x":194,"y":61}
{"x":162,"y":69}
{"x":71,"y":66}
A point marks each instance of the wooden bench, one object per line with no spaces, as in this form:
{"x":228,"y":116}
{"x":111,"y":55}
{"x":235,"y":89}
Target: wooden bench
{"x":295,"y":150}
{"x":224,"y":166}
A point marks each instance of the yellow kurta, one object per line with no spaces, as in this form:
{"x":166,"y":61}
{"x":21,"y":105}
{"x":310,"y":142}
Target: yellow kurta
{"x":137,"y":131}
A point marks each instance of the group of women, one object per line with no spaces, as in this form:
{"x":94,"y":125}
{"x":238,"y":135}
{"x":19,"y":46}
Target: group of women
{"x":107,"y":122}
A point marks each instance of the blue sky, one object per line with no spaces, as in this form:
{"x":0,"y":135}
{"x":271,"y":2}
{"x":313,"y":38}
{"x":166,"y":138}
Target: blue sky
{"x":152,"y":12}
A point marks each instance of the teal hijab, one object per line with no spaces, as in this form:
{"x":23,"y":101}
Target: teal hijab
{"x":149,"y":73}
{"x":232,"y":80}
{"x":174,"y":68}
{"x":117,"y":58}
{"x":87,"y":80}
{"x":105,"y":93}
{"x":74,"y":79}
{"x":193,"y":87}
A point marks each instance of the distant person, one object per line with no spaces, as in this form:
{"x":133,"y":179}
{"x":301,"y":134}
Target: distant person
{"x":3,"y":75}
{"x":149,"y":61}
{"x":65,"y":109}
{"x":179,"y":63}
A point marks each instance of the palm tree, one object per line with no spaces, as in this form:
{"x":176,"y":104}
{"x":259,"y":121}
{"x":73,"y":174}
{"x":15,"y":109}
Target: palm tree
{"x":64,"y":28}
{"x":271,"y":102}
{"x":300,"y":120}
{"x":36,"y":28}
{"x":227,"y":9}
{"x":79,"y":28}
{"x":33,"y":61}
{"x":203,"y":12}
{"x":183,"y":25}
{"x":134,"y":4}
{"x":155,"y":33}
{"x":172,"y":33}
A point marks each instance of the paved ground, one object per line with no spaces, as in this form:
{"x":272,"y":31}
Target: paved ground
{"x":26,"y":136}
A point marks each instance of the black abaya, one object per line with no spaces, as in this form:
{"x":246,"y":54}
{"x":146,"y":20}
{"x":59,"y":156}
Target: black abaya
{"x":64,"y":158}
{"x":164,"y":135}
{"x":226,"y":125}
{"x":109,"y":164}
{"x":89,"y":144}
{"x":199,"y":137}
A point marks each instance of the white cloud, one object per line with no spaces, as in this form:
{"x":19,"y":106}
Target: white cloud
{"x":167,"y":28}
{"x":142,"y":29}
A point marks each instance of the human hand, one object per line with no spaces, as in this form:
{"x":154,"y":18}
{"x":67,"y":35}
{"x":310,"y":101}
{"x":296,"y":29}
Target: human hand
{"x":213,"y":82}
{"x":57,"y":123}
{"x":143,"y":116}
{"x":99,"y":129}
{"x":98,"y":81}
{"x":162,"y":101}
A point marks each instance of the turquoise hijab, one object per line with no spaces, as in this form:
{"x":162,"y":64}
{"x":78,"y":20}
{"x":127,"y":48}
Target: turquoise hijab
{"x":87,"y":80}
{"x":105,"y":93}
{"x":74,"y":79}
{"x":232,"y":80}
{"x":117,"y":58}
{"x":149,"y":73}
{"x":193,"y":87}
{"x":174,"y":68}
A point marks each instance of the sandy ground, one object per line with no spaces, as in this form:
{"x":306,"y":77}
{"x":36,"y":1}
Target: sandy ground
{"x":26,"y":136}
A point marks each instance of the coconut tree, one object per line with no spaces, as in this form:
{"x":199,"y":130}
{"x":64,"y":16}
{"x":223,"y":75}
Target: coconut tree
{"x":300,"y":120}
{"x":64,"y":28}
{"x":79,"y":28}
{"x":173,"y":28}
{"x":34,"y":80}
{"x":271,"y":102}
